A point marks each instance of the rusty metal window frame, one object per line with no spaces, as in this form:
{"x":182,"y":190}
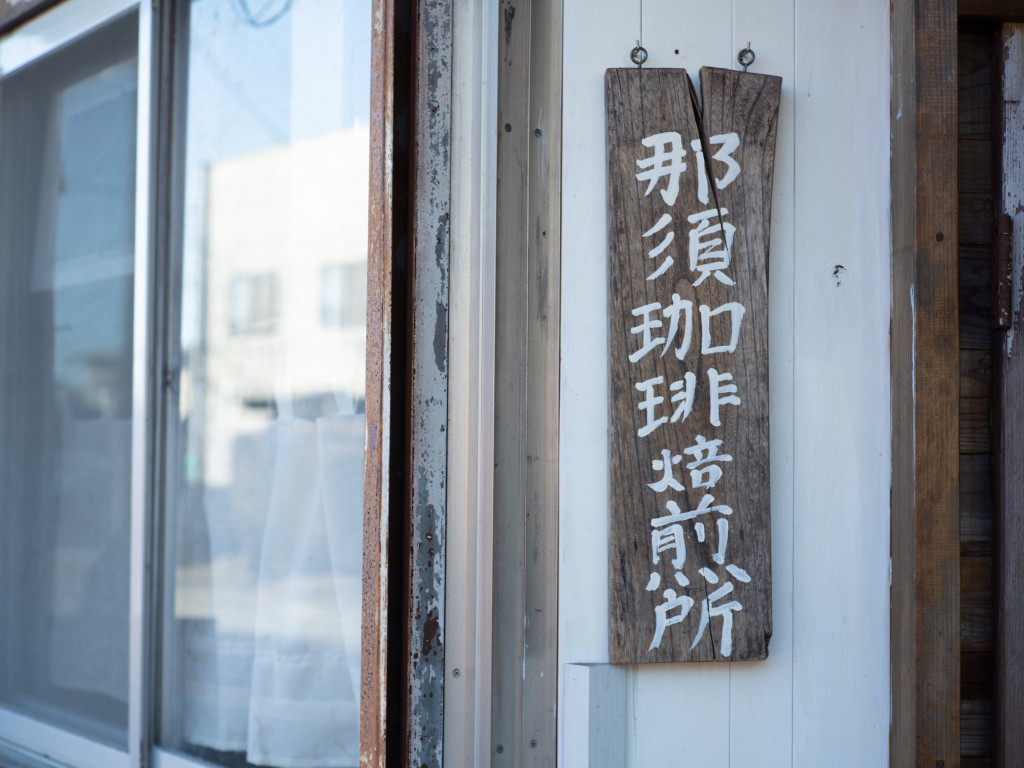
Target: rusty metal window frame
{"x":407,"y":385}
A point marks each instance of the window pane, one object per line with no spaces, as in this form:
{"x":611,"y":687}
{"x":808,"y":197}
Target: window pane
{"x":265,"y":446}
{"x":67,"y":182}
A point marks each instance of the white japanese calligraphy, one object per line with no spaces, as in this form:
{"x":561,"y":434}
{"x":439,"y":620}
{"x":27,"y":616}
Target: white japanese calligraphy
{"x":664,"y":464}
{"x":655,"y":252}
{"x":666,"y":162}
{"x":704,"y":469}
{"x":736,"y":312}
{"x":708,"y":254}
{"x":662,"y":619}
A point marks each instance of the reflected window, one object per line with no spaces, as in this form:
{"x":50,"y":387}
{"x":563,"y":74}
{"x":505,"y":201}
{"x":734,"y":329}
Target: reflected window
{"x":252,"y":303}
{"x":343,"y":295}
{"x":266,"y":436}
{"x":67,"y":181}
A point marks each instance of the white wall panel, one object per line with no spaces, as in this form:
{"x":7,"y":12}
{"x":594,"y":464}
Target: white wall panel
{"x":596,"y":36}
{"x":841,"y":381}
{"x":821,"y":698}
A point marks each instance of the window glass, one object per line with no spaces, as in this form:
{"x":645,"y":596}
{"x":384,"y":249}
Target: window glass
{"x":261,"y":639}
{"x":67,"y":182}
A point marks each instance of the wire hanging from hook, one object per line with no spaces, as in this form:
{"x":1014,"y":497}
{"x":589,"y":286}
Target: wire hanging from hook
{"x":639,"y":54}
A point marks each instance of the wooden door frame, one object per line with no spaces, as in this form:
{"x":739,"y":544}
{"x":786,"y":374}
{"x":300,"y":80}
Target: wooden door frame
{"x":925,"y":524}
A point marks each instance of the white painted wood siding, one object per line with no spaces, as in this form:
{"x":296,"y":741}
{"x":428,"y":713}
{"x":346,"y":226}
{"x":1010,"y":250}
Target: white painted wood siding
{"x":822,"y":697}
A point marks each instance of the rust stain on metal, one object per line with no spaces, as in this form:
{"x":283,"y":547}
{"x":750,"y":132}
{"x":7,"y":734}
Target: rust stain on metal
{"x":373,"y":681}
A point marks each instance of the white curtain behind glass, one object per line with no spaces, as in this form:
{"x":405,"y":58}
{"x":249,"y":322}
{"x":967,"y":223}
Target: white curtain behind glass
{"x":275,"y":674}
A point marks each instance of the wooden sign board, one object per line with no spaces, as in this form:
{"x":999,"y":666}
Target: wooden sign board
{"x":689,"y":203}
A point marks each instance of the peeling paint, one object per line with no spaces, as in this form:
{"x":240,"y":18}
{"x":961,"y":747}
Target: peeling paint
{"x":431,"y":205}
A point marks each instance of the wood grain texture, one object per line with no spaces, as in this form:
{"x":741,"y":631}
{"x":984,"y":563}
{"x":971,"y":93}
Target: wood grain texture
{"x":1009,"y":704}
{"x":925,"y":511}
{"x":510,"y":380}
{"x":974,"y":85}
{"x":642,"y":104}
{"x":976,"y":504}
{"x":975,"y":290}
{"x":1000,"y":10}
{"x":974,"y":169}
{"x":903,"y":625}
{"x":542,"y":121}
{"x":525,"y":576}
{"x":977,"y":728}
{"x":976,"y":163}
{"x":976,"y":615}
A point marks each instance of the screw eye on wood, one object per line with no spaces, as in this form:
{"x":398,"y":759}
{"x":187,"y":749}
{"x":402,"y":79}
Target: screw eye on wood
{"x":746,"y":57}
{"x":638,"y":55}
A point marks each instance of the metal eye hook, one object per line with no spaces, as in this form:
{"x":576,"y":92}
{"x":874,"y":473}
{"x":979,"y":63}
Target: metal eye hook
{"x":746,"y":57}
{"x":638,"y":55}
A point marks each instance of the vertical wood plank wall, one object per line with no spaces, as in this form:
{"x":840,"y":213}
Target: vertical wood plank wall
{"x":822,"y":697}
{"x":975,"y":59}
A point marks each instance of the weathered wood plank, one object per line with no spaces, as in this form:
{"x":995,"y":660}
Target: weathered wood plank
{"x":719,"y":327}
{"x":975,"y":217}
{"x":975,"y":332}
{"x":1009,"y":704}
{"x":976,"y":504}
{"x":975,"y":425}
{"x":976,"y":675}
{"x":1000,"y":10}
{"x":974,"y":86}
{"x":976,"y":733}
{"x":975,"y":272}
{"x":975,"y":373}
{"x":976,"y":618}
{"x":925,"y":658}
{"x":542,"y":121}
{"x":974,"y":183}
{"x":525,"y":574}
{"x":974,"y":166}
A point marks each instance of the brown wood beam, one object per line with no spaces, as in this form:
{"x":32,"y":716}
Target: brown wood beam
{"x":925,"y":599}
{"x":1002,"y":10}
